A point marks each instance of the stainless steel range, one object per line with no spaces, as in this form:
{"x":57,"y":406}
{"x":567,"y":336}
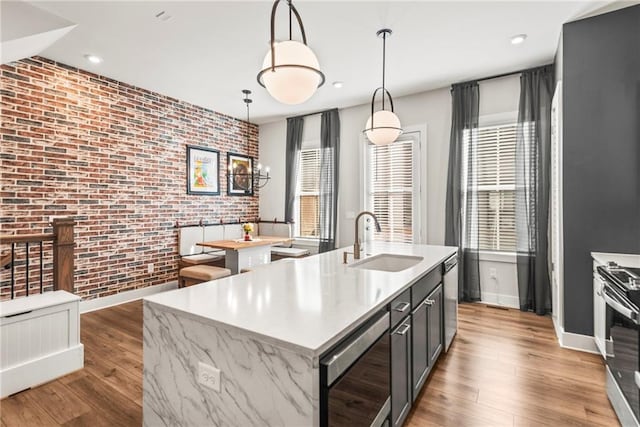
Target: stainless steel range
{"x":620,"y":288}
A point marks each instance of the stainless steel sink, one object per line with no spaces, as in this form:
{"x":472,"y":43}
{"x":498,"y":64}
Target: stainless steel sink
{"x":387,"y":262}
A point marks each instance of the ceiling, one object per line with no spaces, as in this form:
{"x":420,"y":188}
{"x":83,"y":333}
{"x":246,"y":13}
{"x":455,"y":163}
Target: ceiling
{"x":209,"y":51}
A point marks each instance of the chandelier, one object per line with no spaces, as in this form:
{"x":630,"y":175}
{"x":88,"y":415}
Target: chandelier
{"x":249,"y":179}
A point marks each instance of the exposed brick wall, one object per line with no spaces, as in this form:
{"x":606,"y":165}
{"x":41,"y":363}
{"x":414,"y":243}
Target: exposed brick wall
{"x":114,"y":157}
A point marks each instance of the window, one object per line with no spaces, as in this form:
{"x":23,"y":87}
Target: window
{"x":308,"y":194}
{"x":391,"y":189}
{"x":493,"y":182}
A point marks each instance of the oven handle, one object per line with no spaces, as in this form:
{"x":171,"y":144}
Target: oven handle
{"x":602,"y":284}
{"x":341,"y":361}
{"x":619,"y":307}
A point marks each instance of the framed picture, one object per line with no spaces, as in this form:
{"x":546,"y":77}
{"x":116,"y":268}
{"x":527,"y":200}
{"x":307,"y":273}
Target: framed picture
{"x":240,"y":175}
{"x":203,"y":171}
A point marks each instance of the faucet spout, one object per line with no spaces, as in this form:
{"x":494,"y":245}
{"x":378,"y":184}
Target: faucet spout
{"x":356,"y":244}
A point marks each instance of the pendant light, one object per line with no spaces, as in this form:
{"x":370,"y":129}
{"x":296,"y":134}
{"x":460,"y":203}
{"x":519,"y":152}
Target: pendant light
{"x":290,"y":70}
{"x":383,"y":126}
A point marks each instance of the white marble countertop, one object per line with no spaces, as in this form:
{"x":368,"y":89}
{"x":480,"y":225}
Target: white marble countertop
{"x":623,"y":260}
{"x":306,"y":304}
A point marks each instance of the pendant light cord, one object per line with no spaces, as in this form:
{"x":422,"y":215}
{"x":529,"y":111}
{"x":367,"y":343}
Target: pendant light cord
{"x":290,"y":28}
{"x":247,"y":101}
{"x":384,"y":61}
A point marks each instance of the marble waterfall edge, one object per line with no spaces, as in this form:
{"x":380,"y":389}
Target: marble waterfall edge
{"x":261,"y":384}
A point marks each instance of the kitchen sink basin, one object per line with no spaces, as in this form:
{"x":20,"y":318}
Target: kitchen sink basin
{"x":387,"y":262}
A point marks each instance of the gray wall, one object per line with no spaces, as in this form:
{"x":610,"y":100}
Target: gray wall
{"x":601,"y":155}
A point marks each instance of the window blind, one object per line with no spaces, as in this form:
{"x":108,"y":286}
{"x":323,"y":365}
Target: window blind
{"x":308,"y":193}
{"x":493,"y":183}
{"x":390,"y":187}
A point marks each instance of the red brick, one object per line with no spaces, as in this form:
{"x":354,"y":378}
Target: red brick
{"x":102,"y":124}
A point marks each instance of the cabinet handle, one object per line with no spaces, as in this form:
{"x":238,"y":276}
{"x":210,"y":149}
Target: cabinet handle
{"x":429,"y":302}
{"x":402,"y":307}
{"x":404,"y":330}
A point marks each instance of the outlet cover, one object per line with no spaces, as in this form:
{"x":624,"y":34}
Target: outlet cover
{"x":493,"y":273}
{"x":209,"y":376}
{"x":150,"y":268}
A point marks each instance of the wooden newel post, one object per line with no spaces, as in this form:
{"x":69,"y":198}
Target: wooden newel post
{"x":63,"y":246}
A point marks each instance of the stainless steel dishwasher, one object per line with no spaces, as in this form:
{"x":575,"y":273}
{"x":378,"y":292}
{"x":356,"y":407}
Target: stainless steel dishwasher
{"x":450,"y":280}
{"x":355,"y":380}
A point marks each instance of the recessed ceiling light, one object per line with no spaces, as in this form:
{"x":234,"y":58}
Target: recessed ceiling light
{"x":518,"y":39}
{"x":337,"y":84}
{"x":94,"y":59}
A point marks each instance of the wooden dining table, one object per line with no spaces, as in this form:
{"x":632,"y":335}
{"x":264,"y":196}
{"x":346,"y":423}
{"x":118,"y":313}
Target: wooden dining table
{"x":242,"y":254}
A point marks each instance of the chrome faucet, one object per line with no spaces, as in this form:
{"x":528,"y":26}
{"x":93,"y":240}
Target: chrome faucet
{"x":356,"y":244}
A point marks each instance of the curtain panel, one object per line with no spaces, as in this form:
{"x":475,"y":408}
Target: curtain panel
{"x":295,"y":126}
{"x":533,"y":159}
{"x":461,"y":228}
{"x":329,"y":166}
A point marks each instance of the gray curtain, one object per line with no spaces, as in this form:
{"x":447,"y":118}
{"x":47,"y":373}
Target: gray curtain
{"x":329,"y":165}
{"x":461,"y":204}
{"x":533,"y":160}
{"x":294,"y":142}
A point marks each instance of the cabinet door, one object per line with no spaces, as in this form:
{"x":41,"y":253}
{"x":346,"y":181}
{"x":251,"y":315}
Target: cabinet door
{"x":419,"y":356}
{"x":435,"y":323}
{"x":401,"y":372}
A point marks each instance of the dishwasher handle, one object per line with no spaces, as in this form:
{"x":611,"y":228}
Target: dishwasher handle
{"x":343,"y":357}
{"x":450,"y":262}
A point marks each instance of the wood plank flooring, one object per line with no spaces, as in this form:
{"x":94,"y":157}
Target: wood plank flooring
{"x":504,"y":368}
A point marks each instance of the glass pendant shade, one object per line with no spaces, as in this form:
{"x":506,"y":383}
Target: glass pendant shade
{"x":383,"y":126}
{"x":387,"y":128}
{"x":295,"y":77}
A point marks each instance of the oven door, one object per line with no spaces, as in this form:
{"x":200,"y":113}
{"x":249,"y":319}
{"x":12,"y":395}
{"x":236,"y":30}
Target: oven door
{"x":624,"y":333}
{"x":356,"y":379}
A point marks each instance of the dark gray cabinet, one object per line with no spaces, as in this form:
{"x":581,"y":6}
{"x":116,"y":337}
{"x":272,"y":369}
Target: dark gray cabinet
{"x":419,"y":346}
{"x":435,"y":302}
{"x":417,"y":340}
{"x":401,"y":372}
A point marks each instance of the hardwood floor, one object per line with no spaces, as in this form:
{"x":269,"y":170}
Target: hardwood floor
{"x":107,"y":392}
{"x":504,"y":368}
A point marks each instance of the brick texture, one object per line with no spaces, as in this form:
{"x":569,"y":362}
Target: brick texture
{"x":113,"y":156}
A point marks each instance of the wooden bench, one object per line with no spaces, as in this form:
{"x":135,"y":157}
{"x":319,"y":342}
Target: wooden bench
{"x":200,"y":273}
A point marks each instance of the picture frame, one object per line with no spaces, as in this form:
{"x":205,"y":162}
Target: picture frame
{"x":203,"y":171}
{"x":239,"y":174}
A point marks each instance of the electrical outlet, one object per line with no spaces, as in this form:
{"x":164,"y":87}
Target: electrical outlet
{"x":209,"y":376}
{"x":492,"y":273}
{"x":150,"y":268}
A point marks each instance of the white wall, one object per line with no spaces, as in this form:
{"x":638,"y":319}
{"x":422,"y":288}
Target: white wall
{"x":432,"y":109}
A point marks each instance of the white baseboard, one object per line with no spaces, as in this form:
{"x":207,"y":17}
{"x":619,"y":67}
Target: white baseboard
{"x":40,"y":371}
{"x":122,"y":297}
{"x":557,"y":328}
{"x":500,"y":300}
{"x":578,"y":342}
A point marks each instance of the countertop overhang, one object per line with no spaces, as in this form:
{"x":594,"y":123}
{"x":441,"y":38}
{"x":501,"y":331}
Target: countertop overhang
{"x":306,"y":304}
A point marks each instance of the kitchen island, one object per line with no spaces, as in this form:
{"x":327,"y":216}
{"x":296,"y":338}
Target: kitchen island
{"x":246,"y":350}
